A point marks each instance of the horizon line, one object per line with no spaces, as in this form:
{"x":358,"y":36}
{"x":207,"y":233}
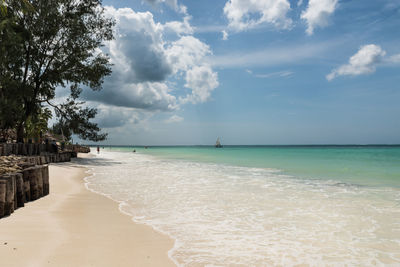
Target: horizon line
{"x":208,"y":145}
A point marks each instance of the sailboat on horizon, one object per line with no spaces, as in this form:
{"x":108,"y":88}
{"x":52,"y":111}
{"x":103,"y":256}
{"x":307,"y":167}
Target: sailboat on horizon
{"x":218,"y":143}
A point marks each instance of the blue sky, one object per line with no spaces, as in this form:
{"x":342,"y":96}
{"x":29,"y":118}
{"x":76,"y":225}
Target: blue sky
{"x":252,"y":72}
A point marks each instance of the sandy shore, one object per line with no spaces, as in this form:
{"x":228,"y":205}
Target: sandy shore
{"x":75,"y":227}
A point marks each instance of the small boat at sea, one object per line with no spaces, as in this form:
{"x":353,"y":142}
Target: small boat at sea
{"x":218,"y":143}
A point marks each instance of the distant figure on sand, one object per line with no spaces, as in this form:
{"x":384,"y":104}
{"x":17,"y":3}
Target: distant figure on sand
{"x":134,"y":151}
{"x":98,"y":150}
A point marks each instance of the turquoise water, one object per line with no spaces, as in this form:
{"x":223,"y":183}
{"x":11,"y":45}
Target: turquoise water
{"x":261,"y":206}
{"x":360,"y":165}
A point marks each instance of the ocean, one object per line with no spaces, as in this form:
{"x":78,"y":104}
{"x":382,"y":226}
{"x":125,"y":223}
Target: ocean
{"x":261,"y":205}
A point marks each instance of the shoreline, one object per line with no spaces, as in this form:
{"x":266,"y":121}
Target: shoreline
{"x":120,"y":208}
{"x":76,"y":226}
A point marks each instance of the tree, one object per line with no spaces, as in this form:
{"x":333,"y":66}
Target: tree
{"x":77,"y":120}
{"x":54,"y":44}
{"x":11,"y":46}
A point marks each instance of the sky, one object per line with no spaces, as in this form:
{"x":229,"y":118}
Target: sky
{"x":251,"y":72}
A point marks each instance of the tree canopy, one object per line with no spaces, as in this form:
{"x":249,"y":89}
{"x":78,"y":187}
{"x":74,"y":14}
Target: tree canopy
{"x":45,"y":44}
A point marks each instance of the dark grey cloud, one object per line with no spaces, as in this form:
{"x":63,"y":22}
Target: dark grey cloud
{"x":113,"y":117}
{"x":143,"y":59}
{"x":140,"y":64}
{"x":149,"y":96}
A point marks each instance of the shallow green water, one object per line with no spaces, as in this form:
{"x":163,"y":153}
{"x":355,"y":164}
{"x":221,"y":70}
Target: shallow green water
{"x":361,"y":165}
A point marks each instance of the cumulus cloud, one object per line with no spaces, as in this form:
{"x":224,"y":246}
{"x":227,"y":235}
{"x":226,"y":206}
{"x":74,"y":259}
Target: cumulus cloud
{"x":202,"y":80}
{"x":188,"y":55}
{"x":114,"y":117}
{"x":174,"y":119}
{"x":137,"y":51}
{"x":187,"y":52}
{"x":363,"y":62}
{"x":180,"y":27}
{"x":147,"y":95}
{"x":246,"y":14}
{"x":144,"y":59}
{"x":317,"y":13}
{"x":172,"y":3}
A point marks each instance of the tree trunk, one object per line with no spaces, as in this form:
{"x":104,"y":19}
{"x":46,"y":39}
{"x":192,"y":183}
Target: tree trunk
{"x":20,"y":133}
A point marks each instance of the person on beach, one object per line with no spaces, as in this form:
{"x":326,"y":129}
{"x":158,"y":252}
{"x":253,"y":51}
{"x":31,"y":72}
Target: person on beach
{"x":98,"y":150}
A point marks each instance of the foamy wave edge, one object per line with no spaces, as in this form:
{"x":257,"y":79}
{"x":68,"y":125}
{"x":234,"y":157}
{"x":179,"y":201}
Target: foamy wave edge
{"x":91,"y":173}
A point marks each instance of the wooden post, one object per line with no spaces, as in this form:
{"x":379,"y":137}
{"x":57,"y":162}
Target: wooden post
{"x":39,"y":181}
{"x":14,"y":149}
{"x":42,"y":148}
{"x":9,"y":202}
{"x":46,"y":183}
{"x":3,"y":186}
{"x":14,"y":181}
{"x":24,"y":149}
{"x":33,"y":182}
{"x":27,"y":186}
{"x":20,"y":145}
{"x":7,"y":149}
{"x":20,"y":199}
{"x":30,"y":149}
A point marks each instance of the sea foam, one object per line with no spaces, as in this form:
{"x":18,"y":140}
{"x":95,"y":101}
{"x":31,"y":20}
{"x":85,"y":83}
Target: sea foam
{"x":224,"y":215}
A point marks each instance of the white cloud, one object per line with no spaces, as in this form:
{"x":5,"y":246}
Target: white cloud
{"x":363,"y":62}
{"x":247,"y":14}
{"x":146,"y":95}
{"x":174,"y":119}
{"x":187,"y":52}
{"x":172,"y":3}
{"x":188,"y":55}
{"x":225,"y":35}
{"x":202,"y":80}
{"x":317,"y":13}
{"x":146,"y":59}
{"x":143,"y":61}
{"x":180,"y":27}
{"x":114,"y":117}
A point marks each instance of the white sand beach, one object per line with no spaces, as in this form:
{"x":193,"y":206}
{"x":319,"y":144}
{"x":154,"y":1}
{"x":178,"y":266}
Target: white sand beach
{"x":75,"y":227}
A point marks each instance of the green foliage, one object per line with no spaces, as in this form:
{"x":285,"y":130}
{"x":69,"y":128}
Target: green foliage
{"x":3,"y":7}
{"x":36,"y":126}
{"x":76,"y":119}
{"x":62,"y":129}
{"x":47,"y":44}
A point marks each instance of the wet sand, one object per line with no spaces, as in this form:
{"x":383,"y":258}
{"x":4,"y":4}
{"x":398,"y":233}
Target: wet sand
{"x":76,"y":227}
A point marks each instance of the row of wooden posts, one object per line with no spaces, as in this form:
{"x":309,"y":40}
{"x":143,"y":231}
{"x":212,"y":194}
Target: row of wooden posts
{"x":18,"y":188}
{"x":24,"y":149}
{"x":29,"y":183}
{"x":77,"y":148}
